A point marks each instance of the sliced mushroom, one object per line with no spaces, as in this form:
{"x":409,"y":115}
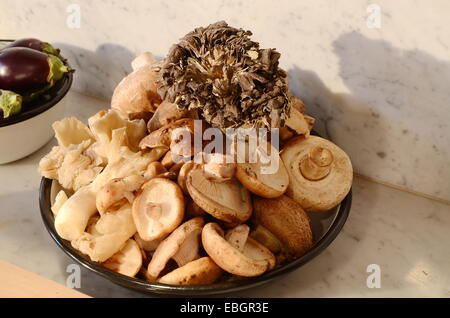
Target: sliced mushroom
{"x":127,"y":261}
{"x":228,"y":201}
{"x":202,"y":271}
{"x":266,"y":185}
{"x":115,"y":192}
{"x":320,"y":173}
{"x":157,"y":169}
{"x":154,"y":169}
{"x":285,"y":219}
{"x":237,"y":236}
{"x":266,"y":238}
{"x":183,"y":174}
{"x":158,"y":209}
{"x":253,"y":260}
{"x":297,"y":120}
{"x":175,"y":169}
{"x":167,"y":161}
{"x":165,"y":114}
{"x":182,"y":245}
{"x":162,"y":137}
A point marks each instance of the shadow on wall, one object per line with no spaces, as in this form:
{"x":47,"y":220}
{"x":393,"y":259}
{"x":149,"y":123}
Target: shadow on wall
{"x":398,"y":100}
{"x":98,"y":72}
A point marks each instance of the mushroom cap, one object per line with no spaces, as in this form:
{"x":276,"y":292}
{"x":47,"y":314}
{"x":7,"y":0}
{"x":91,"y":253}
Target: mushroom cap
{"x":202,"y":271}
{"x":166,"y":113}
{"x":323,"y":194}
{"x":297,"y":120}
{"x":117,"y":191}
{"x":158,"y":209}
{"x":137,"y":92}
{"x":162,"y":137}
{"x":183,"y":174}
{"x":143,"y":59}
{"x":188,"y":231}
{"x":287,"y":221}
{"x":217,"y":169}
{"x":127,"y":261}
{"x":228,"y":201}
{"x":253,"y":260}
{"x":264,"y":185}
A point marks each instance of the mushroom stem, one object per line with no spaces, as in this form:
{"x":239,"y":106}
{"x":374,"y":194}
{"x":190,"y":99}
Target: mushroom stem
{"x":317,"y":164}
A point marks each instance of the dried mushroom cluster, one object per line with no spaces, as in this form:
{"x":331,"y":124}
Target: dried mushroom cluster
{"x":134,"y":200}
{"x":224,"y":75}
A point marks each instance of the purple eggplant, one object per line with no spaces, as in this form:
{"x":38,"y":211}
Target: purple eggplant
{"x":34,"y":44}
{"x":23,"y":70}
{"x":10,"y":103}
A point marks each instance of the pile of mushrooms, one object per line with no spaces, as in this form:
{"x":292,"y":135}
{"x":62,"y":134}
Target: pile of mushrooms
{"x":134,"y":200}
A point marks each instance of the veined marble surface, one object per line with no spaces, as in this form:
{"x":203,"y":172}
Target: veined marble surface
{"x":380,"y":93}
{"x":406,"y":235}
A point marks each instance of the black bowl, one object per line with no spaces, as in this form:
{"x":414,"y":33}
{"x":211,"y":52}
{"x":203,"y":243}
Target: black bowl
{"x":42,"y":102}
{"x":324,"y":234}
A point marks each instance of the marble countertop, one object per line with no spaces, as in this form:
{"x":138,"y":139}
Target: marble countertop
{"x":405,"y":235}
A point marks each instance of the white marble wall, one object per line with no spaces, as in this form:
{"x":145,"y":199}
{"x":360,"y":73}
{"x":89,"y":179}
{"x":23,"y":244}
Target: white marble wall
{"x":382,"y":94}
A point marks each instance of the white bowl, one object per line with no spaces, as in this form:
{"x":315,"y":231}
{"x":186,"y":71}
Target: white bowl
{"x":25,"y":137}
{"x":26,"y":132}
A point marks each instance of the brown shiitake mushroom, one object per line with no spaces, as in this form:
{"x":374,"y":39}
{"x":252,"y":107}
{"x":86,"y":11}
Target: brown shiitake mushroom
{"x":320,"y":173}
{"x":202,"y":271}
{"x":282,"y":220}
{"x":158,"y":209}
{"x":127,"y":261}
{"x":182,"y":245}
{"x":243,"y":256}
{"x":228,"y":201}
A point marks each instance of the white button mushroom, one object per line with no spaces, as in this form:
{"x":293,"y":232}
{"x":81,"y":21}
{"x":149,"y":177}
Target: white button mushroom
{"x":247,"y":259}
{"x":158,"y":209}
{"x":320,"y":173}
